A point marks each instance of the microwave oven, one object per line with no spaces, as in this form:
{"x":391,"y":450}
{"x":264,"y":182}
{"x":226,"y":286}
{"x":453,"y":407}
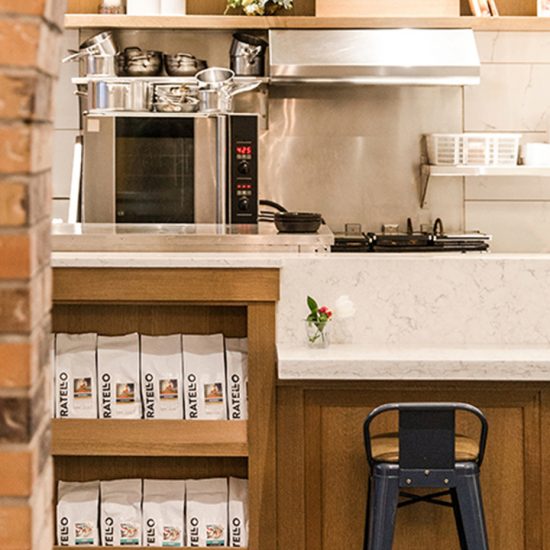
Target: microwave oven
{"x":170,"y":168}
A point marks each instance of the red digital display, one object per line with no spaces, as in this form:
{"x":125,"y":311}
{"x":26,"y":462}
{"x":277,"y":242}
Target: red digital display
{"x":244,"y":149}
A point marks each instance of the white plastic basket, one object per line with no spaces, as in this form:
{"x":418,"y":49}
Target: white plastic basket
{"x":491,"y":149}
{"x":473,"y":149}
{"x":445,"y":149}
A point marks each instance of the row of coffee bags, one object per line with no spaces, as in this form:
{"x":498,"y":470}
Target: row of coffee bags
{"x":153,"y":512}
{"x":139,"y":376}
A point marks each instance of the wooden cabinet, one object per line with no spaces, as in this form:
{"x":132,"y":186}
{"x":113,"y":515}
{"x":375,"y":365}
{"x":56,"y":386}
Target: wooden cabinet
{"x":323,"y":469}
{"x":235,"y":302}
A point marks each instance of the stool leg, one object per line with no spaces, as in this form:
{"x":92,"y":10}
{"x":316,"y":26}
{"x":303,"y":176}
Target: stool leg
{"x":383,"y":508}
{"x":458,"y":520}
{"x":367,"y":514}
{"x":468,"y":494}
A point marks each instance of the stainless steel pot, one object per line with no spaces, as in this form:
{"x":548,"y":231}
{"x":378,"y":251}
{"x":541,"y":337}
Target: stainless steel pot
{"x":96,"y":55}
{"x":173,"y":98}
{"x":135,"y":62}
{"x":221,"y":100}
{"x":181,"y":64}
{"x":215,"y":78}
{"x":100,"y":44}
{"x":247,"y":55}
{"x":93,"y":65}
{"x":105,"y":95}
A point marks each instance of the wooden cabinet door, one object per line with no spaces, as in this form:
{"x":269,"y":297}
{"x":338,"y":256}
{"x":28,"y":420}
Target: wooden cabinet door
{"x":326,"y":509}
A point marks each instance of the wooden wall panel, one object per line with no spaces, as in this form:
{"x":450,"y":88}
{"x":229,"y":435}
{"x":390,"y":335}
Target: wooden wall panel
{"x":149,"y":319}
{"x":262,"y":447}
{"x":336,"y":472}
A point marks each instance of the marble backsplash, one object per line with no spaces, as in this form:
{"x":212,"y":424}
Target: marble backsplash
{"x":424,"y":300}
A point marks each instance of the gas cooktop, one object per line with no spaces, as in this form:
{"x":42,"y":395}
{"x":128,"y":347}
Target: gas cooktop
{"x":391,"y":240}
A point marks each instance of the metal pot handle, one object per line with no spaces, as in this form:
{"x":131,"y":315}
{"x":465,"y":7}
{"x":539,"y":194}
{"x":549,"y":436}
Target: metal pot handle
{"x":252,"y":52}
{"x":240,"y":89}
{"x":74,"y":56}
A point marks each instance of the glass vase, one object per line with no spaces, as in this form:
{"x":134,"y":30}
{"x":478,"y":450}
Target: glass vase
{"x":318,"y":335}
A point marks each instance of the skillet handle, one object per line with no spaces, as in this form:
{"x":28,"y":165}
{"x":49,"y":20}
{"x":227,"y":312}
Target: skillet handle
{"x":277,"y":206}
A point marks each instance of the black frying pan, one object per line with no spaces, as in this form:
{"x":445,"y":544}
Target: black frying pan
{"x":291,"y":222}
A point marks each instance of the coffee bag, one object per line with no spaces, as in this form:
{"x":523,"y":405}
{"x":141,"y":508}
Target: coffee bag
{"x":206,"y":502}
{"x":163,"y":512}
{"x":77,"y":513}
{"x":118,"y":376}
{"x":161,"y":376}
{"x":236,"y":354}
{"x":121,"y":512}
{"x":75,"y":376}
{"x":238,"y":512}
{"x":204,"y":374}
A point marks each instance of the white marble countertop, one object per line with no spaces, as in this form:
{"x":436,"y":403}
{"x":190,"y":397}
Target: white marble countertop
{"x":361,"y":362}
{"x":174,"y":260}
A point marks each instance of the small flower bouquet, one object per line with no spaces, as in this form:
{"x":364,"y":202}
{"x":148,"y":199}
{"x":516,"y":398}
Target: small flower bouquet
{"x":317,"y":323}
{"x":259,"y":7}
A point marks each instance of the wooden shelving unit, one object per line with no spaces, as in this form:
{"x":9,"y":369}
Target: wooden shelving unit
{"x":150,"y":437}
{"x":221,"y":22}
{"x":235,"y":302}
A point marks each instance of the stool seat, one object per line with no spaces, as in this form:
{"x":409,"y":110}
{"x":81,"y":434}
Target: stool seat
{"x":385,"y":448}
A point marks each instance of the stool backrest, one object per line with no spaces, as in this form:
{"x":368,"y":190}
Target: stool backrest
{"x":427,"y":433}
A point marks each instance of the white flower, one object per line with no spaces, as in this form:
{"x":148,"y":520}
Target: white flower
{"x":344,"y":307}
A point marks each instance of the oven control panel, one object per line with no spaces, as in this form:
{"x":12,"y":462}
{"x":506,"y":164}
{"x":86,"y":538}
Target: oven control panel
{"x":243,"y":169}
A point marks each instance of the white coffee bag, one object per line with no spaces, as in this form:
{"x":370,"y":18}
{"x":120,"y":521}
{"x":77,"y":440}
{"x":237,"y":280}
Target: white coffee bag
{"x":161,"y":376}
{"x":163,"y":512}
{"x":77,"y":513}
{"x":206,"y":502}
{"x":75,"y":376}
{"x":238,"y":512}
{"x":118,"y":376}
{"x":236,"y":355}
{"x":121,"y":512}
{"x":204,"y":377}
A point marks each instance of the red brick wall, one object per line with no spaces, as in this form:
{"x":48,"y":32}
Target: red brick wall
{"x":29,"y":42}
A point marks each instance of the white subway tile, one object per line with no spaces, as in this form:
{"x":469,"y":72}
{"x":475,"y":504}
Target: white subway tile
{"x":511,"y":97}
{"x":515,"y":226}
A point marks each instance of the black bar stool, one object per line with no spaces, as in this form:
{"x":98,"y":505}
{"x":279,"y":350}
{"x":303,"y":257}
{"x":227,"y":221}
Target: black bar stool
{"x":425,"y":453}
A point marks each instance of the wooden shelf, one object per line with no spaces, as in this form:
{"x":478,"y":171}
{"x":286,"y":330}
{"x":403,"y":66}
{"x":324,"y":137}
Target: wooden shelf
{"x":75,"y":437}
{"x":508,"y":23}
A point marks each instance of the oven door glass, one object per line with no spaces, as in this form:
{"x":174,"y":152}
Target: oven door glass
{"x":155,"y":170}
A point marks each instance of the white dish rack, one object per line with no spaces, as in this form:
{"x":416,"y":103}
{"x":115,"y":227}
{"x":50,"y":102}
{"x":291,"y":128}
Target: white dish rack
{"x":473,"y":149}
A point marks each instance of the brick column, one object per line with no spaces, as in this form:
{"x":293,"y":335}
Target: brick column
{"x":29,"y":42}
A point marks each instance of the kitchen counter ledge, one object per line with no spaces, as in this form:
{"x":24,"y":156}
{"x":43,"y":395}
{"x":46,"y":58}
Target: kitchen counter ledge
{"x":467,"y":363}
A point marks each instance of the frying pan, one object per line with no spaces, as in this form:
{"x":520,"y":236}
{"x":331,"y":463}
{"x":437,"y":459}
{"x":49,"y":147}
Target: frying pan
{"x":291,"y":222}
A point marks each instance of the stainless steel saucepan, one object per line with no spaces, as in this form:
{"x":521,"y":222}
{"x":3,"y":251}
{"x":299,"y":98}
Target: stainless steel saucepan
{"x":96,"y":55}
{"x":120,"y":95}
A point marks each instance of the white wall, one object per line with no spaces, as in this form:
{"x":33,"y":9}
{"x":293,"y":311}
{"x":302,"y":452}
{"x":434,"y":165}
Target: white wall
{"x":513,"y":96}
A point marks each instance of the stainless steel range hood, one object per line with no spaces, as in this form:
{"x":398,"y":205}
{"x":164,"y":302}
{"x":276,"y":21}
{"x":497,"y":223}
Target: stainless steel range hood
{"x":440,"y":57}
